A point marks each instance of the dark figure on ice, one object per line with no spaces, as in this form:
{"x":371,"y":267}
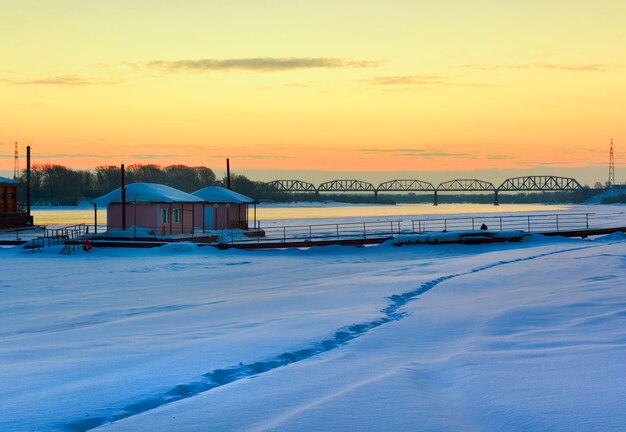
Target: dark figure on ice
{"x":484,"y":227}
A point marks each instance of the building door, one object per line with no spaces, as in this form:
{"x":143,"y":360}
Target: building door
{"x":209,"y":218}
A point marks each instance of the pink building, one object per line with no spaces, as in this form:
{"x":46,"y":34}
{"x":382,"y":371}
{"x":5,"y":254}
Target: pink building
{"x":154,"y":209}
{"x":160,"y":209}
{"x":225,"y":208}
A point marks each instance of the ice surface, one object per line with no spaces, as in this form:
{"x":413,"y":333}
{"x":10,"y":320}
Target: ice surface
{"x":511,"y":336}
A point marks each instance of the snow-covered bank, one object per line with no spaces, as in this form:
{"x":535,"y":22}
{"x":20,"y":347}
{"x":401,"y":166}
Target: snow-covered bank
{"x":524,"y":336}
{"x":614,"y":192}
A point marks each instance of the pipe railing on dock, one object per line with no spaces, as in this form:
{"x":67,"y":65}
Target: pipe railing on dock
{"x":55,"y":236}
{"x":318,"y":232}
{"x":368,"y":230}
{"x":529,"y":223}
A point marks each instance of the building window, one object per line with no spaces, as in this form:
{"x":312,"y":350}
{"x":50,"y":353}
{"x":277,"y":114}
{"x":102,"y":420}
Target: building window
{"x":10,"y":195}
{"x":176,"y":215}
{"x":165,"y":216}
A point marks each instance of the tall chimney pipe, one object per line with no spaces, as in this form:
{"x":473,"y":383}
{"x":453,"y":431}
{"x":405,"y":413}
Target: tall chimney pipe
{"x":228,"y":172}
{"x":28,"y":180}
{"x":123,"y":199}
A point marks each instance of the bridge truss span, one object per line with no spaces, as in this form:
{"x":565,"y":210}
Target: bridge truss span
{"x":466,"y":185}
{"x":292,"y":186}
{"x":406,"y":186}
{"x":539,"y":184}
{"x":346,"y":186}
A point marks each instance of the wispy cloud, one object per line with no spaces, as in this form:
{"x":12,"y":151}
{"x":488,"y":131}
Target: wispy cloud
{"x":499,"y":157}
{"x":259,"y":64}
{"x":61,"y":80}
{"x":419,"y":153}
{"x":408,"y":81}
{"x":256,"y":157}
{"x":104,"y":156}
{"x":550,"y":66}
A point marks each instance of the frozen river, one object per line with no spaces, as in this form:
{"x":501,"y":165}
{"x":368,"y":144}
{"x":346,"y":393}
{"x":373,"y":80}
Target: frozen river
{"x":517,"y":337}
{"x":451,"y":337}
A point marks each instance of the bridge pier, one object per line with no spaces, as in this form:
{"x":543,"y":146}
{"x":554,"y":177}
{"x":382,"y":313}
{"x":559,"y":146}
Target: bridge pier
{"x":435,"y":199}
{"x":375,"y":194}
{"x":495,"y":199}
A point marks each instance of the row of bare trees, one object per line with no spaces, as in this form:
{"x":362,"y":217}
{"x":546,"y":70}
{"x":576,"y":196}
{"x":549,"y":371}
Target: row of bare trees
{"x":59,"y":185}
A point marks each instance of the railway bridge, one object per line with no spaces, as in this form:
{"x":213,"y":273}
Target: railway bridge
{"x":514,"y":184}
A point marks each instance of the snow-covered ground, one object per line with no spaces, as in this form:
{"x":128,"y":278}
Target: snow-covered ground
{"x":615,"y":191}
{"x":522,"y":336}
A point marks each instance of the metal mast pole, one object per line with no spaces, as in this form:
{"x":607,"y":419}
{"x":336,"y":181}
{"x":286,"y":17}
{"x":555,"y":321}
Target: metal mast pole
{"x":16,"y":165}
{"x":611,"y":166}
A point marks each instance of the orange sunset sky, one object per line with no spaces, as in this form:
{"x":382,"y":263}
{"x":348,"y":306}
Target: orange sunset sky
{"x":323,"y":88}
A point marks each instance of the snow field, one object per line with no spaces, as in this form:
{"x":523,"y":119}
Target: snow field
{"x":524,"y":336}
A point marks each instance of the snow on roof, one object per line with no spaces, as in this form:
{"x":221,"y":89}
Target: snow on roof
{"x":146,"y":193}
{"x":216,"y":194}
{"x":4,"y":180}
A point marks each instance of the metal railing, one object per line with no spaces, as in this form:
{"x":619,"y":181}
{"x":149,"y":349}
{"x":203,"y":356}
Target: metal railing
{"x":528,"y":223}
{"x":55,"y":236}
{"x":368,"y":230}
{"x":317,"y":233}
{"x":150,"y":233}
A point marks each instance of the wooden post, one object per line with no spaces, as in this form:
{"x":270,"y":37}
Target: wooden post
{"x":28,"y":180}
{"x":123,"y":199}
{"x":228,"y":173}
{"x":95,"y":218}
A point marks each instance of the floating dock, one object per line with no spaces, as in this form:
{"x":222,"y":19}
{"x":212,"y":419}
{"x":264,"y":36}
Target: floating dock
{"x":425,"y":231}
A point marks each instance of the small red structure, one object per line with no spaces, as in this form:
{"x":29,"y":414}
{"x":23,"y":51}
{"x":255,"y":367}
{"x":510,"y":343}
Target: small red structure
{"x":225,"y":209}
{"x":151,"y":209}
{"x":12,"y":214}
